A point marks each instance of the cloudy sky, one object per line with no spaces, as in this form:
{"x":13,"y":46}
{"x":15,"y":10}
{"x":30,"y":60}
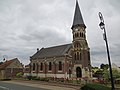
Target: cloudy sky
{"x":26,"y":25}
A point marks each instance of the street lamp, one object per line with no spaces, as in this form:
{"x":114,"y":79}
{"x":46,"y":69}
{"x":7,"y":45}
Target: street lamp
{"x":102,"y":26}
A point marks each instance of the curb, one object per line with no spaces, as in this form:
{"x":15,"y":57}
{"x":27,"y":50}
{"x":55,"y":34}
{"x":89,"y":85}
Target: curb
{"x":68,"y":85}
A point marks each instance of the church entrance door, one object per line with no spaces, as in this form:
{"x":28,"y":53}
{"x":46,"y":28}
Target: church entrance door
{"x":78,"y":72}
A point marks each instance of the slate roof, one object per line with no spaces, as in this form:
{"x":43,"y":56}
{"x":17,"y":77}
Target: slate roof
{"x":52,"y":51}
{"x":7,"y":63}
{"x":78,"y":20}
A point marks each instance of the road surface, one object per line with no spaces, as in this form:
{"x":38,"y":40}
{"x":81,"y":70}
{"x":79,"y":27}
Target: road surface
{"x":11,"y":86}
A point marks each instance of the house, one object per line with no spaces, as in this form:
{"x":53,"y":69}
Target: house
{"x":70,"y":60}
{"x":10,"y":68}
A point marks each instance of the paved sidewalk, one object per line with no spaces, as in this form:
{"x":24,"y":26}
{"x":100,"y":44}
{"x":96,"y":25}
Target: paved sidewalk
{"x":45,"y":85}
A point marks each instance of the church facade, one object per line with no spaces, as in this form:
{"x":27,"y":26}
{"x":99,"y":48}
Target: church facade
{"x":65,"y":61}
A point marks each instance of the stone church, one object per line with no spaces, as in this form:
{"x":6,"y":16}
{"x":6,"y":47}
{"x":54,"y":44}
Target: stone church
{"x":65,"y":61}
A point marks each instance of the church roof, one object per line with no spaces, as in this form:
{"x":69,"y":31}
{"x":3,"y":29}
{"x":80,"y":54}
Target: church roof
{"x":60,"y":50}
{"x":78,"y":20}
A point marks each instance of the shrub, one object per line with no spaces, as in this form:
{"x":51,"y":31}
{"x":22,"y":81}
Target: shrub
{"x":44,"y":79}
{"x":36,"y":78}
{"x":20,"y":74}
{"x":31,"y":77}
{"x":59,"y":79}
{"x":95,"y":87}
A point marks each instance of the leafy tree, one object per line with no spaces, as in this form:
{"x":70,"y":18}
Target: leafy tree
{"x":104,"y":66}
{"x":94,"y":67}
{"x":106,"y":74}
{"x":115,"y":72}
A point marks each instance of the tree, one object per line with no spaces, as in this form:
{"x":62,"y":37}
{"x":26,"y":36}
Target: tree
{"x":104,"y":66}
{"x":94,"y":67}
{"x":116,"y":74}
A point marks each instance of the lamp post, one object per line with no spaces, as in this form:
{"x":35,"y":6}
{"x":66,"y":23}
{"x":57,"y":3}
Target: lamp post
{"x":102,"y":26}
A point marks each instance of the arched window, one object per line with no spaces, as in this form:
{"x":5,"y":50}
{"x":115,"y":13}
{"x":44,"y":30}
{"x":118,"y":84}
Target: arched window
{"x":33,"y":66}
{"x":50,"y":66}
{"x":77,"y":55}
{"x":60,"y":65}
{"x":76,"y":35}
{"x":77,"y":45}
{"x":41,"y":66}
{"x":80,"y":34}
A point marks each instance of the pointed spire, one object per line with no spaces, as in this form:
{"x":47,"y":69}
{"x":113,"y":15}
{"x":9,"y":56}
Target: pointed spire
{"x":78,"y":20}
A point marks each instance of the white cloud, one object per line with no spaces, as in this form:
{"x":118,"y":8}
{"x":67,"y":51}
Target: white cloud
{"x":29,"y":24}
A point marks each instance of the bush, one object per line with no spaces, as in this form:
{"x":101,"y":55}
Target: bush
{"x":20,"y":74}
{"x":44,"y":79}
{"x":61,"y":79}
{"x":36,"y":78}
{"x":31,"y":77}
{"x":95,"y":87}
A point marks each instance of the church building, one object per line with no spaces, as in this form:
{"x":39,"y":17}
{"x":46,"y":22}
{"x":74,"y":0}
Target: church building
{"x":65,"y":61}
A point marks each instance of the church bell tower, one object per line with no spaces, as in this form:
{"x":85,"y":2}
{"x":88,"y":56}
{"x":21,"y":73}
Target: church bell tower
{"x":81,"y":53}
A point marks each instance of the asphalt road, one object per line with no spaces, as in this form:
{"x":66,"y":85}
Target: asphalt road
{"x":9,"y":86}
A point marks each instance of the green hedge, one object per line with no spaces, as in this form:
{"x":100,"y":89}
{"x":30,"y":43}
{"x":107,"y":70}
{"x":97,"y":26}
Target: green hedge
{"x":95,"y":87}
{"x":38,"y":78}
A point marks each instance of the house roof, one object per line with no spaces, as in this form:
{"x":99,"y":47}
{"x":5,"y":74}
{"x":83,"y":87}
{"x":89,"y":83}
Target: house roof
{"x":7,"y":63}
{"x":78,"y":20}
{"x":52,"y":51}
